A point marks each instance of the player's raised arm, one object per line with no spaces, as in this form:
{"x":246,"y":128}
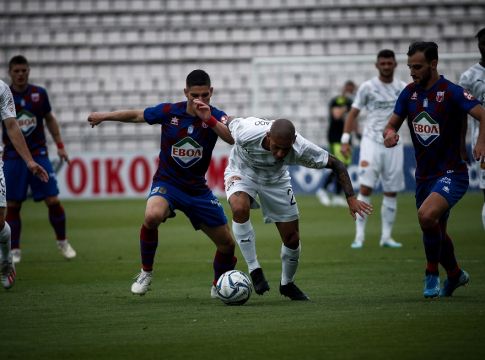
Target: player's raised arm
{"x":126,"y":116}
{"x":204,"y":113}
{"x":391,"y":137}
{"x":355,"y":206}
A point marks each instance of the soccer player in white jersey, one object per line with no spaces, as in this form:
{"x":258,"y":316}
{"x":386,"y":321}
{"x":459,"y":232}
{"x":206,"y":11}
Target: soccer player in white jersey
{"x":258,"y":168}
{"x":377,"y":96}
{"x":474,"y":81}
{"x":9,"y":118}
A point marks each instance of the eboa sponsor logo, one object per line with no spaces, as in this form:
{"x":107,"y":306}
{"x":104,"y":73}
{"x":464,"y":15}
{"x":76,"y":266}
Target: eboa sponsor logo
{"x":27,"y":122}
{"x":187,"y":152}
{"x":426,"y":129}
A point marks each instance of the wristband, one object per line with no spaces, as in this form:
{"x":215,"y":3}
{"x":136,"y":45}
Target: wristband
{"x":60,"y":145}
{"x":345,"y":139}
{"x":212,"y":122}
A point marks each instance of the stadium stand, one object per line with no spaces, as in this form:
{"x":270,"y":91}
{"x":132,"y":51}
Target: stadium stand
{"x":105,"y":54}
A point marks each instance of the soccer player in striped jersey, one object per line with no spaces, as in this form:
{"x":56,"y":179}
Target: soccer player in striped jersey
{"x":473,"y":80}
{"x":8,"y":118}
{"x":189,"y":131}
{"x":33,"y":114}
{"x":434,"y":108}
{"x":377,"y":97}
{"x":258,"y":168}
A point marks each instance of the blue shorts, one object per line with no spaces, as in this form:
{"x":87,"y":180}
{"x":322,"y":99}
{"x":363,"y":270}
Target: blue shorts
{"x":200,"y":209}
{"x":451,"y":186}
{"x":18,"y":178}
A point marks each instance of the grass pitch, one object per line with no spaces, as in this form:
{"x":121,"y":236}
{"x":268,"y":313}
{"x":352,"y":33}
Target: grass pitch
{"x":366,"y":304}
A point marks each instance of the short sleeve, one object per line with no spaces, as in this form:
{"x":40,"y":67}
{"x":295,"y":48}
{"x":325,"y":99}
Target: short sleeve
{"x":156,"y":114}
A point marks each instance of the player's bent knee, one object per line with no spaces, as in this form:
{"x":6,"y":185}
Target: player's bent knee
{"x":152,"y":220}
{"x":426,"y":221}
{"x":240,"y":214}
{"x":292,"y":240}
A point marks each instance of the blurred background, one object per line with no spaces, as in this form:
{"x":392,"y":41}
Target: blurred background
{"x":273,"y":58}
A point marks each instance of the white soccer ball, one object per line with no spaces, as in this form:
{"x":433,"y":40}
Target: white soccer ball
{"x":234,"y":287}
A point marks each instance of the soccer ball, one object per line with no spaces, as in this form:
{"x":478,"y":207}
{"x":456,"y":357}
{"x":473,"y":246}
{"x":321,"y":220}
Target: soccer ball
{"x":234,"y":287}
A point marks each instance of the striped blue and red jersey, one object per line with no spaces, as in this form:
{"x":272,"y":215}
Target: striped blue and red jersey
{"x":186,"y":146}
{"x":435,"y":120}
{"x":31,"y":105}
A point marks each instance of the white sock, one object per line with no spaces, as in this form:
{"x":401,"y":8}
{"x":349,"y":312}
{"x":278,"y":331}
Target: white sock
{"x":5,"y":243}
{"x":483,"y":216}
{"x":388,"y":216}
{"x":360,"y":222}
{"x":245,"y":238}
{"x":289,"y":263}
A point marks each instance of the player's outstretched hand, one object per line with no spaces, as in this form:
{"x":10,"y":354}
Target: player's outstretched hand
{"x":38,"y":171}
{"x":202,"y":110}
{"x":358,"y":207}
{"x":95,"y":118}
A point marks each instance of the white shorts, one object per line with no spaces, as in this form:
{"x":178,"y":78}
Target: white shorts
{"x":376,"y":161}
{"x":278,"y":202}
{"x":3,"y":188}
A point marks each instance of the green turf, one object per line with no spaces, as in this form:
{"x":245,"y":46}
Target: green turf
{"x":366,"y":304}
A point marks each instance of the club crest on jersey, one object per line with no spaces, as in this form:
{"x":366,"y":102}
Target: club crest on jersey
{"x":414,"y":96}
{"x":27,"y":122}
{"x":187,"y":152}
{"x":440,"y":96}
{"x":174,"y":121}
{"x":467,"y":94}
{"x":425,"y":128}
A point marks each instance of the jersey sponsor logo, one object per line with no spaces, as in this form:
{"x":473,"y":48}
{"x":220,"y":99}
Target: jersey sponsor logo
{"x":174,"y":121}
{"x":468,"y":95}
{"x":35,"y":97}
{"x":425,"y":128}
{"x":440,"y":96}
{"x":415,"y":96}
{"x":27,"y":122}
{"x":262,"y":122}
{"x":187,"y":152}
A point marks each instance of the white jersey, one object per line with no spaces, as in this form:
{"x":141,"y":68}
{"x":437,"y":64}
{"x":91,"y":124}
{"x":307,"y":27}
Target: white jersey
{"x":378,"y":99}
{"x":474,"y":81}
{"x":248,"y":156}
{"x":7,"y":104}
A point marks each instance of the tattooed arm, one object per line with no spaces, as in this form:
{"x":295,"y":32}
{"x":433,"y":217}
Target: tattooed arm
{"x":355,"y":206}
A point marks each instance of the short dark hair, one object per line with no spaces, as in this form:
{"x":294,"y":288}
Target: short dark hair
{"x":428,"y":48}
{"x":198,"y":78}
{"x":480,"y":33}
{"x":17,"y":60}
{"x":386,"y":53}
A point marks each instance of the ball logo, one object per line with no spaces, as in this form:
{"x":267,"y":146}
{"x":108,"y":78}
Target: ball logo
{"x":27,"y":122}
{"x":187,"y":152}
{"x":425,"y":128}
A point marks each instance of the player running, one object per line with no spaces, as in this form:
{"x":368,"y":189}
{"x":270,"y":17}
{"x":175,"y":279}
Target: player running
{"x":190,"y":130}
{"x":434,"y":108}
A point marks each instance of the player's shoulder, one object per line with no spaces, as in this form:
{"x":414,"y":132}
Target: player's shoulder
{"x":33,"y":88}
{"x":218,"y":114}
{"x":368,"y":84}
